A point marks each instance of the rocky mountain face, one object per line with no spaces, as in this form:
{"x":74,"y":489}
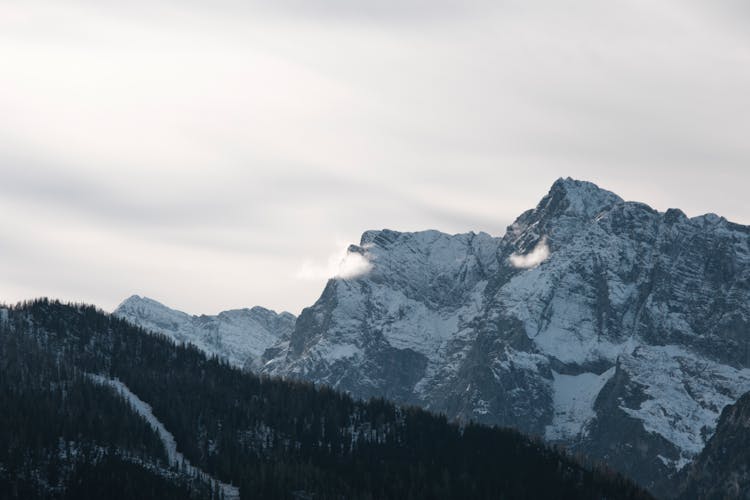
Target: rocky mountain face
{"x":601,"y":324}
{"x":239,"y":336}
{"x":722,"y":470}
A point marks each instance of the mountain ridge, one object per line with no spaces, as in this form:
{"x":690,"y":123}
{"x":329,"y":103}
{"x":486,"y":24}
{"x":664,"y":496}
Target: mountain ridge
{"x":602,"y":324}
{"x":240,"y":336}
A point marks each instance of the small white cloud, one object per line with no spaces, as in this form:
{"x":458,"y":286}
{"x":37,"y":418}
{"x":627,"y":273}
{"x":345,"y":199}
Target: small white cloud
{"x":539,"y":254}
{"x":350,"y":265}
{"x":353,"y":266}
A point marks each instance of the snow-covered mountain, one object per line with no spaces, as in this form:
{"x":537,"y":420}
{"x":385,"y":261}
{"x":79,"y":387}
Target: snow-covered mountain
{"x":239,"y":336}
{"x":602,"y":324}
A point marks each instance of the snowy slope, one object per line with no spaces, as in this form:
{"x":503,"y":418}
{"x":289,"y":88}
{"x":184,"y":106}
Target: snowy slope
{"x":573,"y":398}
{"x":240,"y":336}
{"x":599,"y":323}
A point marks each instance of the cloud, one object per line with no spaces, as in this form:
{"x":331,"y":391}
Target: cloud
{"x":354,"y":265}
{"x":539,"y":254}
{"x":349,"y":266}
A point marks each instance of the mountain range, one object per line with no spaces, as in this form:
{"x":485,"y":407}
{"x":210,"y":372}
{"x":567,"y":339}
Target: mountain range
{"x":603,"y":325}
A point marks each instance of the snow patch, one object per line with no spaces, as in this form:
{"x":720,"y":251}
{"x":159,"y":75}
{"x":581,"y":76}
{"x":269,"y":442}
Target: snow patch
{"x":573,"y":397}
{"x":518,"y":360}
{"x":341,"y":351}
{"x":686,"y":394}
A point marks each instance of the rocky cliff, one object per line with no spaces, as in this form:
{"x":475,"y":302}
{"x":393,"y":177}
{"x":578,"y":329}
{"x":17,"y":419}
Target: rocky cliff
{"x":722,"y":470}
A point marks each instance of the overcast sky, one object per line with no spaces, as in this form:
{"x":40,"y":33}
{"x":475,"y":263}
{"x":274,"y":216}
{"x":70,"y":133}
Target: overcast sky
{"x":222,"y":154}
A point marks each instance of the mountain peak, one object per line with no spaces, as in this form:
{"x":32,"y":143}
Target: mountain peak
{"x":576,"y":197}
{"x":568,"y":199}
{"x":155,"y":311}
{"x":134,"y":300}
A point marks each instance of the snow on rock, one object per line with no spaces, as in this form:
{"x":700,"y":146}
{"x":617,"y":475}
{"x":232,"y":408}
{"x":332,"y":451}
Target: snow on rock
{"x":176,"y":459}
{"x":239,"y":336}
{"x":686,"y":394}
{"x":416,"y":299}
{"x":449,"y":323}
{"x":573,"y":400}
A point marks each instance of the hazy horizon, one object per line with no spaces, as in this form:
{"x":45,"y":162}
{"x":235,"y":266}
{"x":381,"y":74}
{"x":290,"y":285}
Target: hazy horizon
{"x":222,"y":156}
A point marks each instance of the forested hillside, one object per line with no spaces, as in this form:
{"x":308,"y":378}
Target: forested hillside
{"x":64,"y":436}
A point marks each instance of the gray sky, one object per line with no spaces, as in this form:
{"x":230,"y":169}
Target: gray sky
{"x":222,"y":154}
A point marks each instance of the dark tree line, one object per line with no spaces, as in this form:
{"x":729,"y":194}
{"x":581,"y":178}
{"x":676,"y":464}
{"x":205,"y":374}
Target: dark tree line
{"x":61,"y":433}
{"x":273,"y":438}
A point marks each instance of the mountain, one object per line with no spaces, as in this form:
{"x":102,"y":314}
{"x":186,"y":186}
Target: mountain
{"x":601,"y":324}
{"x":239,"y":336}
{"x":94,"y":407}
{"x":722,"y":470}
